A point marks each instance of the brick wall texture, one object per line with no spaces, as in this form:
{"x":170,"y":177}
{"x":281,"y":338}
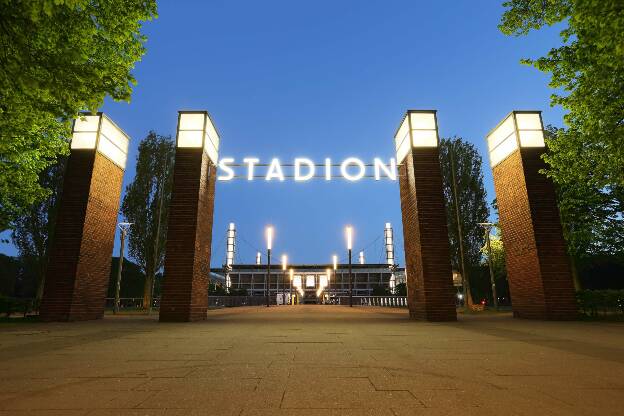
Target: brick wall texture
{"x":430,"y":292}
{"x":538,"y":267}
{"x":189,"y":235}
{"x":80,"y":256}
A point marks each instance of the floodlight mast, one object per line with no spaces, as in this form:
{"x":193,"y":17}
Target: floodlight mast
{"x":349,"y":231}
{"x":269,"y":241}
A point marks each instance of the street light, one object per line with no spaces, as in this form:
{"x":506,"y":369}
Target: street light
{"x":349,"y":248}
{"x":123,"y":227}
{"x":335,"y":261}
{"x":328,"y":272}
{"x":487,"y":226}
{"x":290,"y":291}
{"x":284,"y":266}
{"x":269,"y":238}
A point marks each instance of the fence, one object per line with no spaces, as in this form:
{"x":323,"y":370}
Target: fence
{"x":386,"y":301}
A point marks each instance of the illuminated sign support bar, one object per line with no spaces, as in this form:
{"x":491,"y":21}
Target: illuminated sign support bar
{"x":304,"y":169}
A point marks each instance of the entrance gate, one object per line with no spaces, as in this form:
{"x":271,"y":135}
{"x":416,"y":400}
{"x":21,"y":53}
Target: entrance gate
{"x":79,"y":264}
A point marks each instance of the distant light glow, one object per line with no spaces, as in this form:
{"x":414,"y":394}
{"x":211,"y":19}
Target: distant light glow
{"x":335,"y":260}
{"x":284,"y":261}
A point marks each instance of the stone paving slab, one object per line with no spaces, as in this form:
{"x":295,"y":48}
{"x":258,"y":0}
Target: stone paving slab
{"x":312,"y":360}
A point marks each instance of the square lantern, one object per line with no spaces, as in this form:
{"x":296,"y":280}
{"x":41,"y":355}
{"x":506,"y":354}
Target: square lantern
{"x":419,"y":128}
{"x":100,"y":133}
{"x":520,"y":129}
{"x":196,"y":130}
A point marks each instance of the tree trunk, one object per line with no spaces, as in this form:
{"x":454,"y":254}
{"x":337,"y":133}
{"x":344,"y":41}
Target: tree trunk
{"x":147,"y":289}
{"x":575,"y":277}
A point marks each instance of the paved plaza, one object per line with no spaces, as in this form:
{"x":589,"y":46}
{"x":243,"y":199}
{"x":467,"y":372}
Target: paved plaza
{"x":312,"y":360}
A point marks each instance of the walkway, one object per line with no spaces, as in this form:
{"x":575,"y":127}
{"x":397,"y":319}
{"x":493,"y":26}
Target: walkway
{"x":312,"y":360}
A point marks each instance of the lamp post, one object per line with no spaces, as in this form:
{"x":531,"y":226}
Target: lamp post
{"x":284,"y":265}
{"x":335,"y":261}
{"x":487,"y":226}
{"x":157,"y":239}
{"x":269,"y":238}
{"x":123,"y":227}
{"x":328,"y":273}
{"x":290,"y":291}
{"x":349,"y":248}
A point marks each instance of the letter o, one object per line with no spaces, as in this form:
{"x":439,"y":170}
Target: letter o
{"x":352,"y":161}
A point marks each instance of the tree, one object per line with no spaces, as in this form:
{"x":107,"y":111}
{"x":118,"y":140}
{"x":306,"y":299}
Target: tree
{"x":146,"y":205}
{"x":462,"y":158}
{"x":33,"y":231}
{"x":58,"y":57}
{"x":586,"y":159}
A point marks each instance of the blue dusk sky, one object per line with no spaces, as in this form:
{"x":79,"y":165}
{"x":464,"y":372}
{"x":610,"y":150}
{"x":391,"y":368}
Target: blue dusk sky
{"x":323,"y":79}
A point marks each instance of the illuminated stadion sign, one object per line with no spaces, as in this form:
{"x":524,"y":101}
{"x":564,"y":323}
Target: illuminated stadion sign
{"x":304,"y":169}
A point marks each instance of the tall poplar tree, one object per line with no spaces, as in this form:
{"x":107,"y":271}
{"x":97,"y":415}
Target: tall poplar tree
{"x":462,"y":158}
{"x":146,"y":205}
{"x":34,"y":229}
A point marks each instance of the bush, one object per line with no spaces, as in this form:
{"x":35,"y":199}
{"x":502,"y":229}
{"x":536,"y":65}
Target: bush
{"x":10,"y":306}
{"x":593,"y":302}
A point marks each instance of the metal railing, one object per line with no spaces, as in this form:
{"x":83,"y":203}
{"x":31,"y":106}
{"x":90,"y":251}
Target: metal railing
{"x":386,"y":301}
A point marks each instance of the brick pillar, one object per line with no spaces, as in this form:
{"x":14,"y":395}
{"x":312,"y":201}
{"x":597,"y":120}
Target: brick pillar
{"x":430,"y":293}
{"x":189,"y":233}
{"x":80,"y":257}
{"x":538,"y":268}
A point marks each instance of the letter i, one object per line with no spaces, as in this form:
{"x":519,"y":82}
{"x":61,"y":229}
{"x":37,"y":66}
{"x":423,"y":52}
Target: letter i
{"x":327,"y":169}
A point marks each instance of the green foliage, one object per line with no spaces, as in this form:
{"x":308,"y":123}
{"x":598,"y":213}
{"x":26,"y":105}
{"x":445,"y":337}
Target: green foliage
{"x":33,"y":230}
{"x":9,"y":271}
{"x":586,"y":159}
{"x":400,"y":289}
{"x":593,"y":302}
{"x":58,"y":57}
{"x":215,"y":289}
{"x":379,"y":290}
{"x":146,"y":204}
{"x":132,"y":279}
{"x":238,"y":292}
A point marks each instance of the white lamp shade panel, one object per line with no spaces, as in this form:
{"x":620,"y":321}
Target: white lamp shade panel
{"x":99,"y":132}
{"x":530,"y":129}
{"x":518,"y":129}
{"x":196,"y":130}
{"x":418,"y":129}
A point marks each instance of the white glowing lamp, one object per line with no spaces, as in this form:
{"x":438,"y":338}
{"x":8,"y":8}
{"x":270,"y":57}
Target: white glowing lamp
{"x":349,"y":231}
{"x":291,"y":274}
{"x":196,"y":130}
{"x":419,"y":128}
{"x":328,"y":273}
{"x":284,"y":261}
{"x":519,"y":129}
{"x":100,"y":133}
{"x":269,"y":237}
{"x":297,"y":281}
{"x":335,"y":261}
{"x":322,"y":281}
